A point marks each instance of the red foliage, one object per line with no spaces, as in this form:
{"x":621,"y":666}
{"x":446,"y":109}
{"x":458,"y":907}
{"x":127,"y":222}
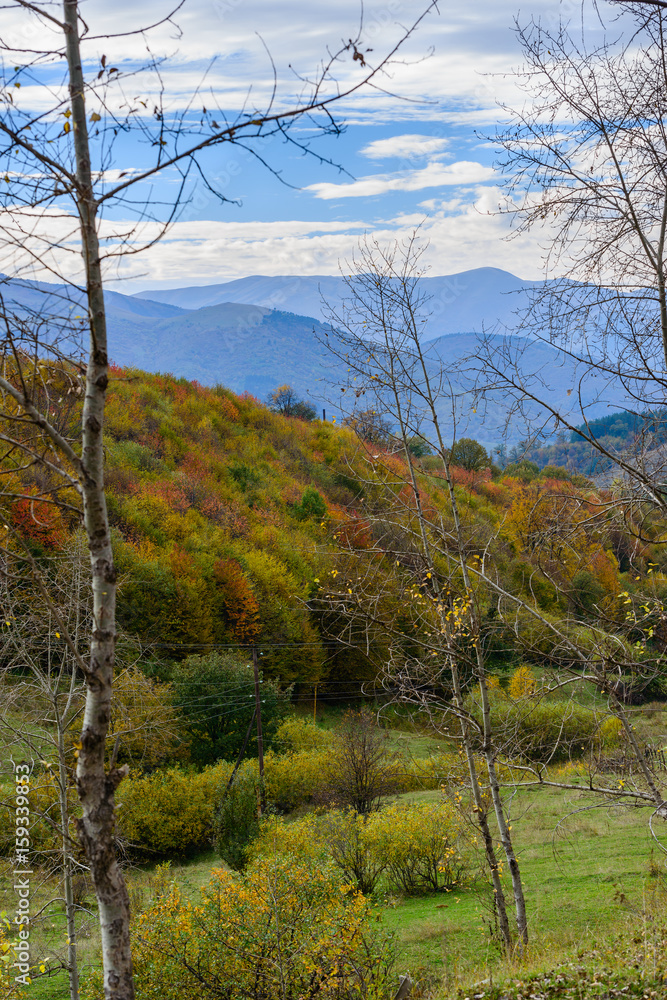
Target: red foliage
{"x":38,"y":521}
{"x":172,"y":492}
{"x":195,"y":466}
{"x":229,"y":411}
{"x":247,"y":397}
{"x":469,"y":479}
{"x":355,"y":534}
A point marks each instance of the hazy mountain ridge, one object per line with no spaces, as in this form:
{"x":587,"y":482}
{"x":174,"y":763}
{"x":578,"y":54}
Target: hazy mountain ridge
{"x":474,"y":301}
{"x":250,"y":347}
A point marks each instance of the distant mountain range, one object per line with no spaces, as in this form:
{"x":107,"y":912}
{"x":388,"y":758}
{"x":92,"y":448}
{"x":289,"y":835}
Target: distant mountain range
{"x":468,"y":302}
{"x":256,"y":333}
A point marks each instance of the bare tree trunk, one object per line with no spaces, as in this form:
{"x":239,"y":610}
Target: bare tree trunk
{"x":481,"y":811}
{"x":483,"y":821}
{"x":489,"y":756}
{"x":661,"y":806}
{"x":96,"y":788}
{"x":70,"y":911}
{"x":503,"y":826}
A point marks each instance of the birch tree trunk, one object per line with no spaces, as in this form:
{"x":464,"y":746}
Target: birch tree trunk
{"x":96,"y":787}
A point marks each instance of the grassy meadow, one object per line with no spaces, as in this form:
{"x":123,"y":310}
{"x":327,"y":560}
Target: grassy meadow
{"x":592,"y":871}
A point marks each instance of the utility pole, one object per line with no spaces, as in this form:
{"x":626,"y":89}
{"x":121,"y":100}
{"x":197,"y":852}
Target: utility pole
{"x":260,"y":738}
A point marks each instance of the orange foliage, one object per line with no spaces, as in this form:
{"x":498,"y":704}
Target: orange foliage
{"x":241,"y":607}
{"x":604,"y":568}
{"x":229,"y":411}
{"x":470,"y":479}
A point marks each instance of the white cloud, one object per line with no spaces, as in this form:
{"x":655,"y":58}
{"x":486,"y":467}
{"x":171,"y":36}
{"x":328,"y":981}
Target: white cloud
{"x":404,"y":146}
{"x":474,"y":48}
{"x":433,"y":175}
{"x":463,"y":233}
{"x":462,"y":236}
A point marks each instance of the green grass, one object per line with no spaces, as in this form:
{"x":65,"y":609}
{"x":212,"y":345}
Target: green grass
{"x":585,"y":877}
{"x":588,"y":873}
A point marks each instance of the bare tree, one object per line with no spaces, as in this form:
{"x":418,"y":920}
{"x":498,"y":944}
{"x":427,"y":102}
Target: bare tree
{"x":363,"y":770}
{"x":61,"y":185}
{"x":380,"y":326}
{"x":586,"y":167}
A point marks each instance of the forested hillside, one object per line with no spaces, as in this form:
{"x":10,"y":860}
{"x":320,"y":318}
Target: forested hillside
{"x":338,"y":559}
{"x":233,"y":525}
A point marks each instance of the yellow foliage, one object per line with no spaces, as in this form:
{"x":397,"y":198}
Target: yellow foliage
{"x":45,"y":814}
{"x":293,"y":779}
{"x":412,"y":848}
{"x":523,"y":683}
{"x":300,"y":734}
{"x":170,"y":811}
{"x":557,"y":526}
{"x":421,"y":845}
{"x":288,"y":928}
{"x":8,"y":988}
{"x":610,"y":732}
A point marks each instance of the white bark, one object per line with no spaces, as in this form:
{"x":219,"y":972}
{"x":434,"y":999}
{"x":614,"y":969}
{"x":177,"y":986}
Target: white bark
{"x":95,"y":786}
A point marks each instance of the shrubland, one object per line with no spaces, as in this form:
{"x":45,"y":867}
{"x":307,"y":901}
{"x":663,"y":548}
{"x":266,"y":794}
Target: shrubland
{"x":236,"y":526}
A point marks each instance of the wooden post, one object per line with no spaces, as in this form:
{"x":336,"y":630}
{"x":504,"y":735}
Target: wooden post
{"x":315,"y":707}
{"x":260,"y":738}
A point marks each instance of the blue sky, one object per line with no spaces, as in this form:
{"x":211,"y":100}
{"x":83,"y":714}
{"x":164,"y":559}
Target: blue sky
{"x":418,"y":157}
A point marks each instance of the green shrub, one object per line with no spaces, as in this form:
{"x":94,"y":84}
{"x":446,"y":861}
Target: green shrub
{"x":433,"y":772}
{"x":215,"y":697}
{"x":312,"y":505}
{"x":170,"y":811}
{"x":543,"y":731}
{"x":294,"y":735}
{"x":235,"y":818}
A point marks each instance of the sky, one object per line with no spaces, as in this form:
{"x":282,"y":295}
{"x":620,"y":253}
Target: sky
{"x":417,"y":151}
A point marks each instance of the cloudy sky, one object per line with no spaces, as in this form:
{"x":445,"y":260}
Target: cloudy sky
{"x":416,"y":150}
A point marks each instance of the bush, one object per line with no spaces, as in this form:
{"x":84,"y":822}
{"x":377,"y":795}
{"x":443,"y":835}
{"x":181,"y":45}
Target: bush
{"x":433,"y":772}
{"x":361,"y":767}
{"x":420,"y":846}
{"x":171,"y":811}
{"x":406,"y":848}
{"x":294,"y":735}
{"x":352,"y":845}
{"x":286,"y":929}
{"x":294,"y":779}
{"x":312,"y":505}
{"x":543,"y":731}
{"x":45,"y":839}
{"x":522,"y":683}
{"x":235,"y":818}
{"x":215,"y":696}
